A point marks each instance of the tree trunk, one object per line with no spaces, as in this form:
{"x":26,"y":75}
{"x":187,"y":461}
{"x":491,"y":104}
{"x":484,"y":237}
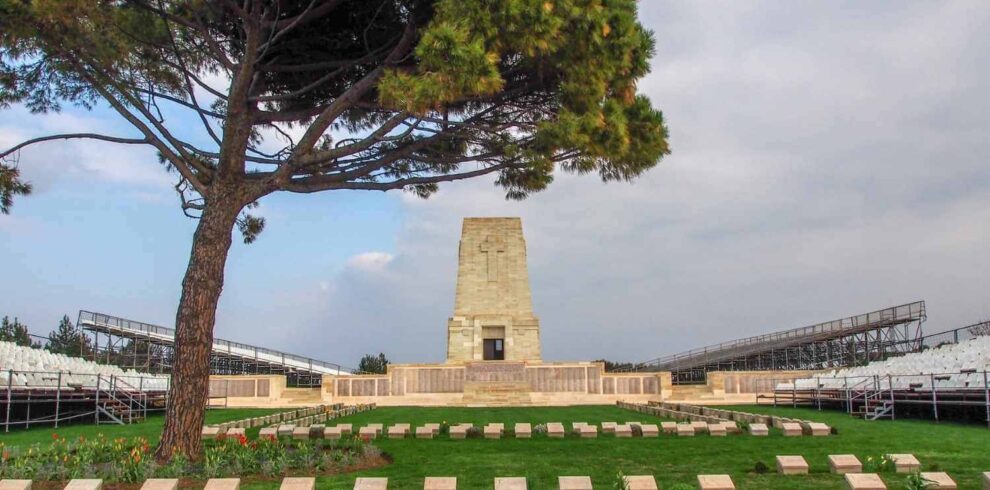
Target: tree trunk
{"x":201,"y":286}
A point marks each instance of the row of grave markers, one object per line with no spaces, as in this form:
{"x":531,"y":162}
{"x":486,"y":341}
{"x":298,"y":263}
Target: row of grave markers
{"x":758,"y":424}
{"x":270,"y":423}
{"x":845,"y":464}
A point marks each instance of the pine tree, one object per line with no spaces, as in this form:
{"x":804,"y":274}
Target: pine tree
{"x":16,"y":332}
{"x":69,"y":340}
{"x":372,"y":364}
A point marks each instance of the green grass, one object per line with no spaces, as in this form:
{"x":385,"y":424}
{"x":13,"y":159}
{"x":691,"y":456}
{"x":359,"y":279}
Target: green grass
{"x":962,"y":451}
{"x":150,"y":428}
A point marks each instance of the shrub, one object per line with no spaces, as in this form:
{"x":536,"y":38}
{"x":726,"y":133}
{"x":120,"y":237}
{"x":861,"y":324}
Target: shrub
{"x":473,"y":433}
{"x":540,"y":429}
{"x":619,"y":483}
{"x":834,"y":431}
{"x":637,"y":430}
{"x":915,"y":481}
{"x":761,"y":468}
{"x":878,"y":464}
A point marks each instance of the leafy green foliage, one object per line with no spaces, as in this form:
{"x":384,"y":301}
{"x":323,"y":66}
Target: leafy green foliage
{"x":69,"y":340}
{"x":10,"y":186}
{"x":16,"y":332}
{"x":372,"y":364}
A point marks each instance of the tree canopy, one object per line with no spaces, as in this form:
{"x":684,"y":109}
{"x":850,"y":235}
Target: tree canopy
{"x":69,"y":340}
{"x":372,"y":364}
{"x":16,"y":332}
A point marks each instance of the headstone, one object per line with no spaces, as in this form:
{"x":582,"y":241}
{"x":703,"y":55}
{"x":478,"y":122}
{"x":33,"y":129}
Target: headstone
{"x":523,"y":430}
{"x":939,"y":480}
{"x":366,"y":483}
{"x":699,"y":426}
{"x":576,"y":426}
{"x":434,"y":428}
{"x":641,"y":482}
{"x":608,"y":427}
{"x":864,"y":481}
{"x":685,"y":430}
{"x":268,"y":432}
{"x":160,"y":484}
{"x":298,"y":483}
{"x":316,"y":431}
{"x":986,"y":480}
{"x":717,"y":430}
{"x":367,"y":432}
{"x":791,"y":429}
{"x":440,"y":483}
{"x":574,"y":483}
{"x":819,"y":429}
{"x":669,"y":427}
{"x":397,"y":432}
{"x":210,"y":432}
{"x":378,"y":427}
{"x":589,"y":431}
{"x":623,"y":430}
{"x":905,"y":463}
{"x":492,"y":431}
{"x":15,"y":484}
{"x":237,"y":432}
{"x":844,"y":463}
{"x":84,"y":484}
{"x":555,"y":429}
{"x":792,"y":465}
{"x":715,"y":482}
{"x":301,"y":432}
{"x":731,"y":427}
{"x":345,"y":429}
{"x":759,"y":429}
{"x":459,"y":431}
{"x":332,"y":433}
{"x":223,"y":484}
{"x":510,"y":483}
{"x":286,"y":430}
{"x":651,"y":430}
{"x":424,"y":433}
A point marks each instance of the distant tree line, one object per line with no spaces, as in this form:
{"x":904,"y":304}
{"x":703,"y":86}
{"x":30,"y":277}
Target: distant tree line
{"x":372,"y":364}
{"x":616,"y":366}
{"x":65,"y":339}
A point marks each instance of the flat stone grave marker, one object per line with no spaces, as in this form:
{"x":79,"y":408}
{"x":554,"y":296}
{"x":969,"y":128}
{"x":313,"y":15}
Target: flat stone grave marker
{"x":510,"y":483}
{"x":316,"y":430}
{"x":792,"y":465}
{"x":397,"y":432}
{"x":715,"y":482}
{"x":717,"y":430}
{"x":791,"y":429}
{"x":298,"y":483}
{"x":286,"y":430}
{"x":669,"y":427}
{"x":459,"y":432}
{"x":366,"y":483}
{"x":440,"y":483}
{"x":523,"y":430}
{"x":268,"y":432}
{"x":759,"y":429}
{"x":555,"y":429}
{"x":686,"y":430}
{"x":434,"y":428}
{"x":864,"y":481}
{"x":731,"y":426}
{"x":367,"y":433}
{"x":905,"y":463}
{"x":574,"y":483}
{"x":624,"y":430}
{"x":210,"y":432}
{"x":223,"y":484}
{"x":844,"y":463}
{"x":300,"y":433}
{"x":608,"y":427}
{"x":699,"y":426}
{"x":345,"y":428}
{"x":332,"y":433}
{"x":819,"y":429}
{"x":406,"y":427}
{"x":378,"y":427}
{"x":650,"y":430}
{"x":986,"y":480}
{"x":15,"y":484}
{"x":84,"y":484}
{"x":424,"y":433}
{"x":641,"y":482}
{"x":492,"y":432}
{"x":940,"y":480}
{"x":160,"y":484}
{"x":576,"y":426}
{"x":237,"y":431}
{"x":589,"y":431}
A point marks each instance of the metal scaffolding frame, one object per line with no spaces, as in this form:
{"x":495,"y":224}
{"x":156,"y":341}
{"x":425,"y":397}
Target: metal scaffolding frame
{"x":850,"y":341}
{"x":150,"y":348}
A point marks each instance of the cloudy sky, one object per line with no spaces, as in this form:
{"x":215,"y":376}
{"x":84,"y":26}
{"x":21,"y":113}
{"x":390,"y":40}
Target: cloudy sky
{"x":829,"y":159}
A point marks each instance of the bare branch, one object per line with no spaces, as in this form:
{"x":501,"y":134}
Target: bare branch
{"x":71,"y":136}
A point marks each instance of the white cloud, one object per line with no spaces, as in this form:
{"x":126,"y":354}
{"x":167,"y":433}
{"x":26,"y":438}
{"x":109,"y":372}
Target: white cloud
{"x":370,"y":261}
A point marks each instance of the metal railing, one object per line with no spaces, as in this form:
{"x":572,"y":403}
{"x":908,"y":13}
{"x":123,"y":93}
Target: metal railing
{"x":63,"y":396}
{"x":836,"y":328}
{"x":90,"y":320}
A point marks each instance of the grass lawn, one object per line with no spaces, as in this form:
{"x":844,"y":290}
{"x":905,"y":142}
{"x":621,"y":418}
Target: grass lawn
{"x":150,"y":428}
{"x":962,"y":451}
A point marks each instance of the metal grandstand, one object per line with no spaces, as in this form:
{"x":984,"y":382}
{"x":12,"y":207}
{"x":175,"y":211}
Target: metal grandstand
{"x":150,"y":348}
{"x":848,"y":341}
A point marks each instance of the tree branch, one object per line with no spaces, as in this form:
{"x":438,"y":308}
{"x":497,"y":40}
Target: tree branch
{"x":70,"y":136}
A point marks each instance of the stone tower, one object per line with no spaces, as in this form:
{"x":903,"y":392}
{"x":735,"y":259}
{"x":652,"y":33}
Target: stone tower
{"x":493,"y":310}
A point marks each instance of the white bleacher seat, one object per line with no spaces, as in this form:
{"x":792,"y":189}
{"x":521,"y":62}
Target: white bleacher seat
{"x":38,"y":368}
